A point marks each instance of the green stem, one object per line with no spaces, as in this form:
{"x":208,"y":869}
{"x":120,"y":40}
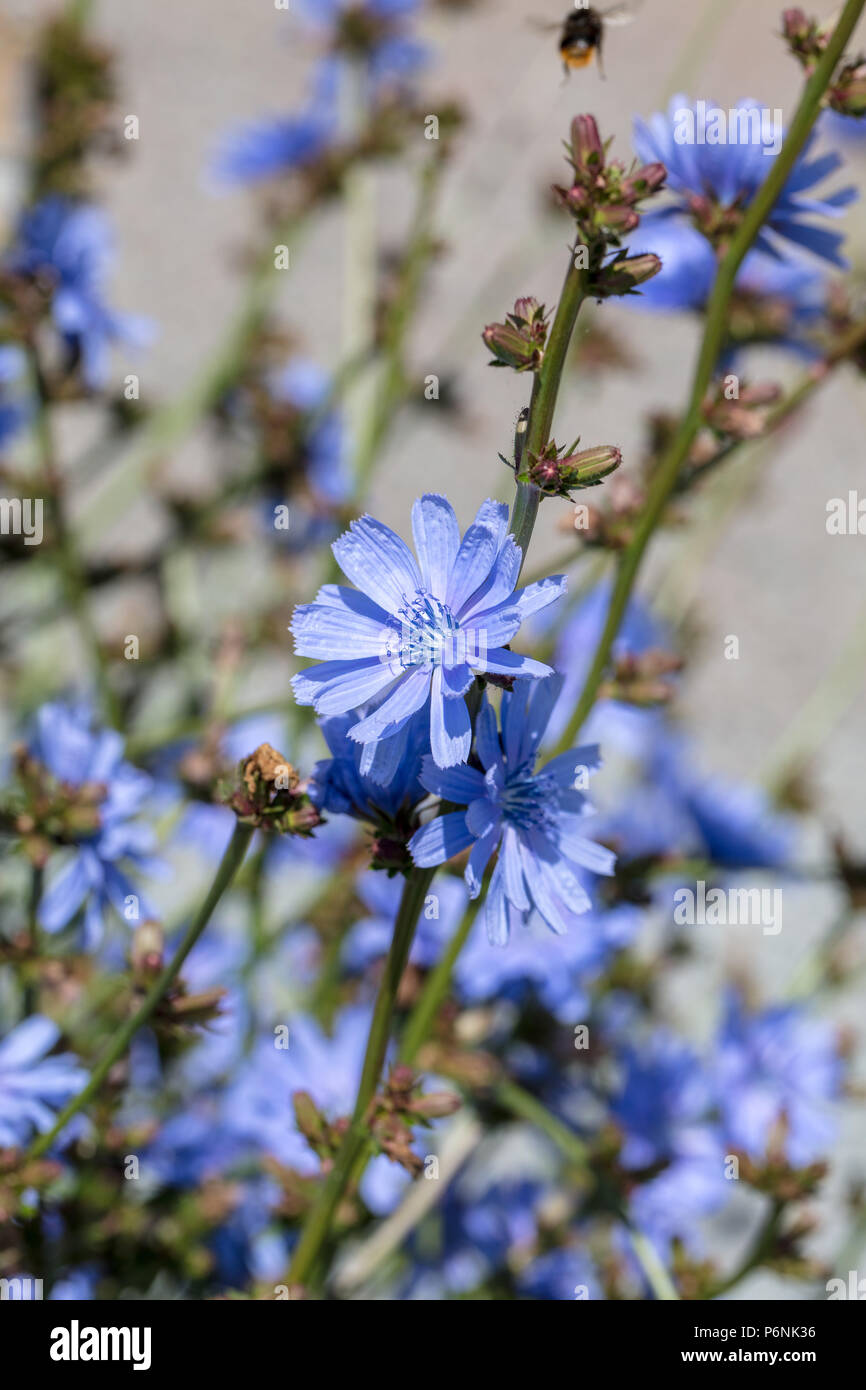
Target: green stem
{"x":545,"y":389}
{"x":228,"y":867}
{"x":666,"y":475}
{"x":435,"y":989}
{"x":321,"y":1215}
{"x":761,"y":1247}
{"x":69,"y":565}
{"x":526,"y":1107}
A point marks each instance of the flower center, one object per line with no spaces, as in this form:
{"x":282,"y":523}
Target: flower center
{"x":527,"y":801}
{"x":424,"y":633}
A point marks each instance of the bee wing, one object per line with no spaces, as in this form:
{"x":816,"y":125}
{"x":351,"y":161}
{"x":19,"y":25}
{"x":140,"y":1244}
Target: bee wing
{"x":543,"y":25}
{"x":621,"y":14}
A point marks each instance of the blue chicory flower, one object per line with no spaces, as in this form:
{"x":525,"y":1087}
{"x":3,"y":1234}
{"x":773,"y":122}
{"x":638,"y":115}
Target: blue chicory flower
{"x":70,"y":245}
{"x":95,"y":877}
{"x":257,"y":1106}
{"x":662,"y":1103}
{"x":776,"y":1073}
{"x":663,"y":1092}
{"x":729,"y":174}
{"x":13,"y":407}
{"x":388,"y":49}
{"x":33,"y":1085}
{"x":420,"y":631}
{"x":555,"y":970}
{"x":306,"y":387}
{"x":796,"y":288}
{"x":274,"y":145}
{"x":561,"y":1275}
{"x":532,"y":817}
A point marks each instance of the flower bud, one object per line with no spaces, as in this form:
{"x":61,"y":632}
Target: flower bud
{"x":618,"y":218}
{"x":519,"y":342}
{"x":644,"y":182}
{"x":623,"y":275}
{"x":556,"y":475}
{"x":587,"y":150}
{"x":848,"y":92}
{"x":806,"y":38}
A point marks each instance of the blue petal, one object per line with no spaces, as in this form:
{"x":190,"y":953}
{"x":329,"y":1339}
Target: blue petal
{"x":450,"y":726}
{"x":501,"y":662}
{"x":408,"y":695}
{"x":477,"y":554}
{"x":378,"y":562}
{"x":325,"y":631}
{"x":437,"y":541}
{"x":337,"y":686}
{"x":440,"y":839}
{"x":458,"y":784}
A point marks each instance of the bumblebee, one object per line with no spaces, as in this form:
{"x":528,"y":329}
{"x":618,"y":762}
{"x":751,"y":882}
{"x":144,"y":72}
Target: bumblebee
{"x":582,"y":33}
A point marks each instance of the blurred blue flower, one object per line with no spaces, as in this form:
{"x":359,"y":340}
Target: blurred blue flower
{"x":482,"y":1220}
{"x":677,"y":809}
{"x":787,"y":295}
{"x":75,"y":1286}
{"x":662,"y":1093}
{"x":76,"y":755}
{"x":13,"y":403}
{"x":420,"y":631}
{"x":734,"y":824}
{"x":257,"y":1106}
{"x":33,"y":1085}
{"x":373,"y":32}
{"x":612,"y":721}
{"x":555,"y":970}
{"x":306,"y":387}
{"x":662,"y":1103}
{"x":729,"y":174}
{"x":534,"y":819}
{"x":776,"y":1073}
{"x":193,"y":1144}
{"x":560,"y":1275}
{"x":275,"y":145}
{"x":693,"y":1186}
{"x":69,"y":244}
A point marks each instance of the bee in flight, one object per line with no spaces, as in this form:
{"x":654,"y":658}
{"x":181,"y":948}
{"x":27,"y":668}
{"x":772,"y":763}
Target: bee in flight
{"x":582,"y":32}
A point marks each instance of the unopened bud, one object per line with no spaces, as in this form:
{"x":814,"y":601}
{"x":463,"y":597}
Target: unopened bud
{"x":848,"y":92}
{"x":557,"y":476}
{"x":623,"y":275}
{"x":644,"y":182}
{"x":587,"y":149}
{"x":519,"y":342}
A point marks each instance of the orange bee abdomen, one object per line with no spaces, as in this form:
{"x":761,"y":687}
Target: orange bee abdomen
{"x":577,"y":57}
